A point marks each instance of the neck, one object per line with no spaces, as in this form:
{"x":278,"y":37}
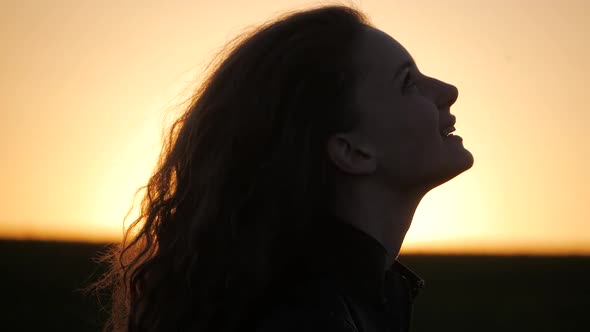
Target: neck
{"x":386,"y":216}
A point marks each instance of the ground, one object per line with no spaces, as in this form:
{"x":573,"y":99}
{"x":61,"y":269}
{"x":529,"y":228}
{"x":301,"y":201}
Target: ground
{"x":41,"y":281}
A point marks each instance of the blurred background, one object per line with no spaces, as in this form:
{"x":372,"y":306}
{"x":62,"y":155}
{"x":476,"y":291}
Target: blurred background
{"x":87,"y":88}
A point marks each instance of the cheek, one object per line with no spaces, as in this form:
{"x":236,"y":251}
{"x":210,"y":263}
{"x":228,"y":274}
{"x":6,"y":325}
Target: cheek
{"x":418,"y":138}
{"x":404,"y":128}
{"x":419,"y":125}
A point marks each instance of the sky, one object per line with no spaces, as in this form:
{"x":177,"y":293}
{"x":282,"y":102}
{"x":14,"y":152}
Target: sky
{"x":87,"y":88}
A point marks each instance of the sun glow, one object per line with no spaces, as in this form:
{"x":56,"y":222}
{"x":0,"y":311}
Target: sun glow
{"x":88,"y":88}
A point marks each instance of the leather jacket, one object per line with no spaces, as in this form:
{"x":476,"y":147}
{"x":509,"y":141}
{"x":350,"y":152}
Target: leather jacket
{"x":342,"y":282}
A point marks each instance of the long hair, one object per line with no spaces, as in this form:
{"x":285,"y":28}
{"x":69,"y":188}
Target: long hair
{"x":242,"y":167}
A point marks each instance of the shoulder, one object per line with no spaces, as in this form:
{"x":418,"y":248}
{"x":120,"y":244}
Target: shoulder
{"x":313,"y":309}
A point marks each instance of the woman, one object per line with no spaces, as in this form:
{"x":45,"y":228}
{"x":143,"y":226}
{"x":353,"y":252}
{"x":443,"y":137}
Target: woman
{"x":283,"y":194}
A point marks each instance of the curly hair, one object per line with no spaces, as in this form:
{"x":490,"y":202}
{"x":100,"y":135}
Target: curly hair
{"x":241,"y":168}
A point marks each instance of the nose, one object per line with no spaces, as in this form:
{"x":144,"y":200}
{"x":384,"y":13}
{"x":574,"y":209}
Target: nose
{"x":447,"y":95}
{"x":444,"y":94}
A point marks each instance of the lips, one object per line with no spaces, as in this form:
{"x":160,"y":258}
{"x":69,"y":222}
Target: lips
{"x":448,"y":127}
{"x":447,"y":131}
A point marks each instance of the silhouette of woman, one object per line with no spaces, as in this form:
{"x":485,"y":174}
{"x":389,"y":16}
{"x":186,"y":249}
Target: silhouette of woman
{"x":284,"y":191}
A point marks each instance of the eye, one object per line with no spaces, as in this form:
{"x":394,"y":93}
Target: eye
{"x":409,"y":85}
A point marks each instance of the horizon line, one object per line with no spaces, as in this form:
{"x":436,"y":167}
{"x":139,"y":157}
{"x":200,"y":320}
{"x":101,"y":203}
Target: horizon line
{"x":404,"y":252}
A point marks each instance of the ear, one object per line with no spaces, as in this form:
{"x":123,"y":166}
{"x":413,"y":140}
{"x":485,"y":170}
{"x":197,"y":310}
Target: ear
{"x":351,"y":155}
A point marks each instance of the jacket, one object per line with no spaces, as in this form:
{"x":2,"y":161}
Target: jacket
{"x":340,"y":281}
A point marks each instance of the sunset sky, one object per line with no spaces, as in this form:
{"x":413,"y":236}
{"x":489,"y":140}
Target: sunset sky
{"x":86,"y":88}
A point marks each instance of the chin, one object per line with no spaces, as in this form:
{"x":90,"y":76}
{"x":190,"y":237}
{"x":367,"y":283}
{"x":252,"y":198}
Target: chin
{"x":433,"y":174}
{"x":466,"y":162}
{"x":449,"y":172}
{"x":458,"y":166}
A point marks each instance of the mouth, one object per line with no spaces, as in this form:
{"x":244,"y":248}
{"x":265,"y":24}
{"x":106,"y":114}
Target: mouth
{"x":447,"y":132}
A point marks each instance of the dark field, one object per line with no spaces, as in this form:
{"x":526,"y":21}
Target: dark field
{"x":463,"y":293}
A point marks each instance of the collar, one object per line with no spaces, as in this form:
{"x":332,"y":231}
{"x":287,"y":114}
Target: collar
{"x":351,"y":260}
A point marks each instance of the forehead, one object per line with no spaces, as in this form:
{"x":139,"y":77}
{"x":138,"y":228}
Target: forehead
{"x":379,"y":53}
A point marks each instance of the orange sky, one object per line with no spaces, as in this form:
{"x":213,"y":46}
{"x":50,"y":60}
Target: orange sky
{"x":87,"y":86}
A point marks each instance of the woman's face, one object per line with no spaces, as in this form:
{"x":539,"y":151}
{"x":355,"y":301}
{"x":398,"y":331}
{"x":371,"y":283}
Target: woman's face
{"x":403,"y":114}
